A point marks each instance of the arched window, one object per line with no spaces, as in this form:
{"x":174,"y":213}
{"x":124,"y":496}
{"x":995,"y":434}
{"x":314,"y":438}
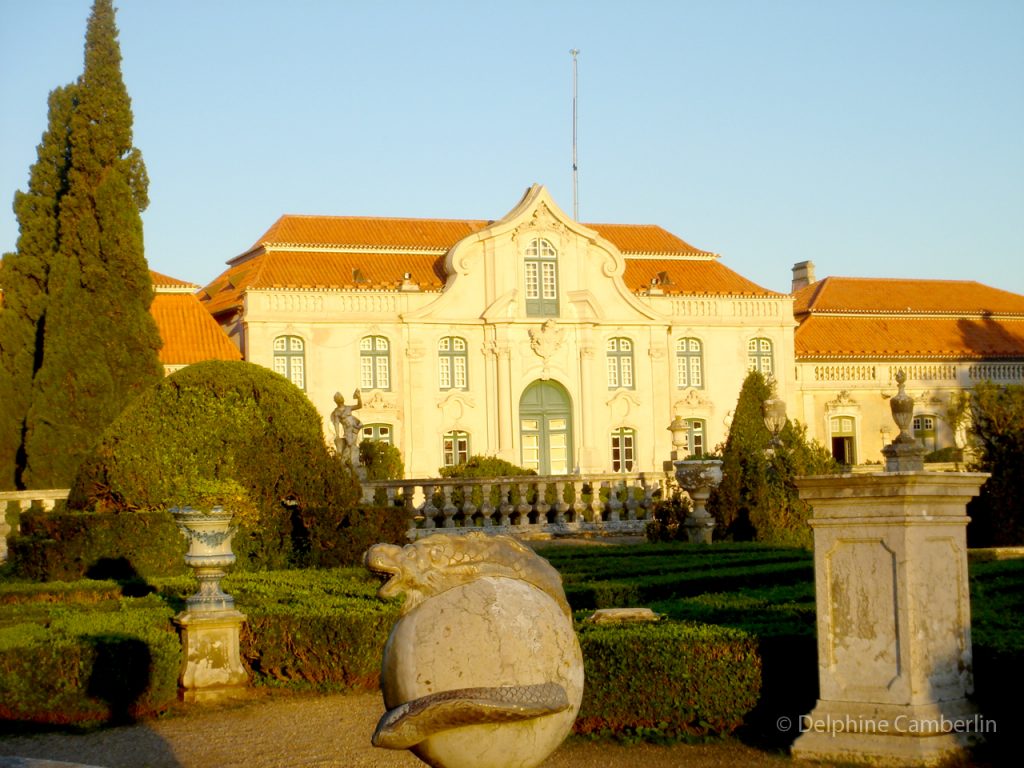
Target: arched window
{"x":689,"y":364}
{"x":620,"y":363}
{"x":376,"y":433}
{"x":623,"y":449}
{"x":452,"y":363}
{"x":290,"y":359}
{"x":540,"y":273}
{"x":695,"y":430}
{"x":455,"y":448}
{"x":374,"y":363}
{"x":759,"y":356}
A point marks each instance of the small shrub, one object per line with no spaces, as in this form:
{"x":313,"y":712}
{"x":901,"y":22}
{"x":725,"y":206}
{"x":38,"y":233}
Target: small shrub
{"x":667,"y":681}
{"x":667,"y":519}
{"x":383,"y":461}
{"x":338,"y":536}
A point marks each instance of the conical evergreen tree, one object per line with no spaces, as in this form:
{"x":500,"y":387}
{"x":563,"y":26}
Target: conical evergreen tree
{"x":23,"y":279}
{"x":99,"y":341}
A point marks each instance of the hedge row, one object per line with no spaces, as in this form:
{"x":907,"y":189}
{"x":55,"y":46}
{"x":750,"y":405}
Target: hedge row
{"x":87,"y":666}
{"x":68,"y":546}
{"x":667,"y":681}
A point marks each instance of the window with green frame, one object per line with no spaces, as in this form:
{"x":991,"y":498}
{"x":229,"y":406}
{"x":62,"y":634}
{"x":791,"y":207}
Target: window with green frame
{"x":290,"y":359}
{"x":689,"y":364}
{"x":623,"y":444}
{"x":455,"y":448}
{"x":452,"y":363}
{"x":695,"y":431}
{"x":374,"y":363}
{"x":540,"y":275}
{"x":377,"y":433}
{"x":620,"y":363}
{"x":760,"y":356}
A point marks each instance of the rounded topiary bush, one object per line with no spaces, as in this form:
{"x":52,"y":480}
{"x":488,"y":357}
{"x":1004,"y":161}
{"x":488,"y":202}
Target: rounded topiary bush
{"x":220,"y":420}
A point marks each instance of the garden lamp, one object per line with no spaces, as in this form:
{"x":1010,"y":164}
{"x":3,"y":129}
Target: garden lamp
{"x":773,"y":410}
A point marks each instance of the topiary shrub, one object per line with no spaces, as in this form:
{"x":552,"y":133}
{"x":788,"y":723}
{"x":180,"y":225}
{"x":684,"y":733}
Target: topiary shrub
{"x":485,"y":466}
{"x":221,"y":420}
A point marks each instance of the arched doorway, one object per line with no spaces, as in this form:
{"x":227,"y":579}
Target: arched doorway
{"x":545,"y":428}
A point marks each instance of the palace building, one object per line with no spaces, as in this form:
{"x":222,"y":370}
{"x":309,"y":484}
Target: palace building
{"x":559,"y":346}
{"x":568,"y":347}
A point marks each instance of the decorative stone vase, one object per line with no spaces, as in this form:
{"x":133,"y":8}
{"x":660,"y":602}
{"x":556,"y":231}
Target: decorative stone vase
{"x":698,"y":477}
{"x":210,"y":626}
{"x":209,"y":534}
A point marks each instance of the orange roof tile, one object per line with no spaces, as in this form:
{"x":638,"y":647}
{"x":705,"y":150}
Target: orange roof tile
{"x":688,"y":276}
{"x":887,"y":296}
{"x":823,"y":336}
{"x":163,"y":281}
{"x":291,"y":254}
{"x":189,"y":332}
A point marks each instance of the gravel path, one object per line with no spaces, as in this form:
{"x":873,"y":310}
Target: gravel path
{"x":307,"y":731}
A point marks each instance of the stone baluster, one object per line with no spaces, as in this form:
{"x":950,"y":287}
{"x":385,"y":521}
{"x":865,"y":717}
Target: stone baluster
{"x":560,"y":504}
{"x":449,"y":509}
{"x":542,"y":502}
{"x":631,"y":502}
{"x":429,"y":510}
{"x":506,"y":504}
{"x":524,"y":507}
{"x":648,"y":500}
{"x":614,"y":503}
{"x":486,"y":507}
{"x":579,"y":506}
{"x":468,"y":507}
{"x":596,"y":505}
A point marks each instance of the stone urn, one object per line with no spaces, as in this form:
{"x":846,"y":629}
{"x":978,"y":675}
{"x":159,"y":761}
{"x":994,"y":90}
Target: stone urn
{"x":209,"y":533}
{"x":698,"y":477}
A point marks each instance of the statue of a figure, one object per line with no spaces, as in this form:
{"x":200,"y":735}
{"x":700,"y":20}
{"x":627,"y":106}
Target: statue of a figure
{"x":346,"y":427}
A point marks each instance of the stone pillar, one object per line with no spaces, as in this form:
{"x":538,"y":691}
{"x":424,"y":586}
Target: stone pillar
{"x":504,"y":358}
{"x":212,"y":667}
{"x":894,"y":626}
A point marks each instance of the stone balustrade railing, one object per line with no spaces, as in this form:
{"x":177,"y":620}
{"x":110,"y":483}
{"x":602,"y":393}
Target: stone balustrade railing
{"x":25,"y":499}
{"x":525,"y":506}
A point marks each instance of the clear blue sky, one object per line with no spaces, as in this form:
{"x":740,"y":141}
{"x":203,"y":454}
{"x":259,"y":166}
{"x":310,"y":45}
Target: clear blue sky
{"x":879,"y":139}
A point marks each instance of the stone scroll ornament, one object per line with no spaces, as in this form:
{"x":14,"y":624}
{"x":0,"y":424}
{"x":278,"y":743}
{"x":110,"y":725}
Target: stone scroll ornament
{"x":482,"y":668}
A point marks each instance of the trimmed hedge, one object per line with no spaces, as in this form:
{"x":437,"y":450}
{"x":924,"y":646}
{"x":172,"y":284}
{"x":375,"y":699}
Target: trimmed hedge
{"x":90,"y":666}
{"x":667,"y":681}
{"x":69,"y":546}
{"x":136,"y":546}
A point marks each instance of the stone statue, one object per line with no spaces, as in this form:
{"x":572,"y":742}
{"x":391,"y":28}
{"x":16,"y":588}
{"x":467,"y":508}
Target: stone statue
{"x":483,"y":668}
{"x":346,"y":427}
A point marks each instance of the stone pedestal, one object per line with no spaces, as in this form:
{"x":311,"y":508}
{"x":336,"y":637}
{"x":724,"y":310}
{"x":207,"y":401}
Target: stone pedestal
{"x":212,"y":668}
{"x":894,"y":637}
{"x":698,"y":477}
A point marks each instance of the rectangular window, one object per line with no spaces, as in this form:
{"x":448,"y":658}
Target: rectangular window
{"x":455,"y":447}
{"x":622,"y":450}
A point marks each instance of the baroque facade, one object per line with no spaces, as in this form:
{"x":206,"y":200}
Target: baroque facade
{"x":855,"y":334}
{"x":559,"y":346}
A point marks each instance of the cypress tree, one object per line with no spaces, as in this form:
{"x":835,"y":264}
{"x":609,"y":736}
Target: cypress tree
{"x":23,"y":279}
{"x":99,"y":341}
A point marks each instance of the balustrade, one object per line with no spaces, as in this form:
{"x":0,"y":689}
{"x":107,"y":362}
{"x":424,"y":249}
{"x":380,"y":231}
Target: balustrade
{"x":530,"y":505}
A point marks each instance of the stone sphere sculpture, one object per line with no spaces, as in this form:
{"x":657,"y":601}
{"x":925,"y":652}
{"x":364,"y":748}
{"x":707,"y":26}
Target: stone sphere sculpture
{"x":483,"y":668}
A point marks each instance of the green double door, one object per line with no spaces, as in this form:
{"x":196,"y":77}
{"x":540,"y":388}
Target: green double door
{"x":545,"y":428}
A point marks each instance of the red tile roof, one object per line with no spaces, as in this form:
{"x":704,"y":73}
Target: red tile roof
{"x":877,"y":318}
{"x":886,"y":295}
{"x":373,"y":253}
{"x":189,"y":332}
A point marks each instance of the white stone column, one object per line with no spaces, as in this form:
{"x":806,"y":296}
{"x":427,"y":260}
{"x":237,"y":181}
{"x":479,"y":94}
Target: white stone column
{"x":894,"y":622}
{"x":504,"y":355}
{"x":588,"y":459}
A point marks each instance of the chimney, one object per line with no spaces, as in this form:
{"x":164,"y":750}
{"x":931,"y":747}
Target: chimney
{"x":803,"y":275}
